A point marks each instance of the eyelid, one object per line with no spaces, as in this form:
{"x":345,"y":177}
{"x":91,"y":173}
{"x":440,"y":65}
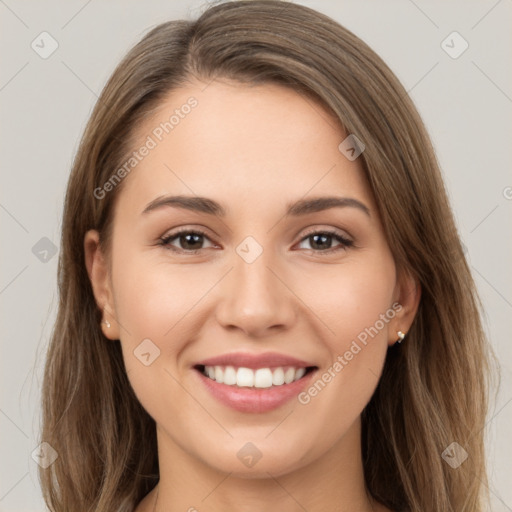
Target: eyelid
{"x":315,"y":228}
{"x":327,"y":229}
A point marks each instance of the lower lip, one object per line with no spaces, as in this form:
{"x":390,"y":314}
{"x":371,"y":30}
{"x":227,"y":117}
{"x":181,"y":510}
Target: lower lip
{"x":254,"y":400}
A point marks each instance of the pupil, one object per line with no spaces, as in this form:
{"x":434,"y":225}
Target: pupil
{"x":191,"y":235}
{"x":315,"y":237}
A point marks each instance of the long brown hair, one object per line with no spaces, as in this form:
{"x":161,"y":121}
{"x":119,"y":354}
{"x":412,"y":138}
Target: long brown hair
{"x":433,"y":390}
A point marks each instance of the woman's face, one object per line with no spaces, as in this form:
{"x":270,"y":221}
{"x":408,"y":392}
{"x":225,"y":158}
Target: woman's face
{"x":261,"y":286}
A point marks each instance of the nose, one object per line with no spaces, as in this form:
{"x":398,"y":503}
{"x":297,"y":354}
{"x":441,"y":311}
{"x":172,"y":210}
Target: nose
{"x":255,"y":298}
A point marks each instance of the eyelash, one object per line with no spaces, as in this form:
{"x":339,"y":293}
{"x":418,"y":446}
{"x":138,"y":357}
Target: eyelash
{"x":345,"y":242}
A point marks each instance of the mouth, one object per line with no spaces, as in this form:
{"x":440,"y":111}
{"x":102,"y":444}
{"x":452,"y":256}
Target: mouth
{"x":254,"y":384}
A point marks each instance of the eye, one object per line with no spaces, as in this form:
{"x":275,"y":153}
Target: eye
{"x":190,"y":240}
{"x":322,"y":239}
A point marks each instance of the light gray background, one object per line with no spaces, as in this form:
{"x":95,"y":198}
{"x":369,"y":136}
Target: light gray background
{"x":465,"y":102}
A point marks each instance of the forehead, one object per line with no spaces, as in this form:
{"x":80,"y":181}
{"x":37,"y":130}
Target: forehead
{"x":241,"y":142}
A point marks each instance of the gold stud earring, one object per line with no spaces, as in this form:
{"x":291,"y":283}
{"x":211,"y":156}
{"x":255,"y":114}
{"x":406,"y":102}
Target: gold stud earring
{"x":401,"y":337}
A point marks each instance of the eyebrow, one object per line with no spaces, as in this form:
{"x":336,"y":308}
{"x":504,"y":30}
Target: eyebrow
{"x":296,"y":209}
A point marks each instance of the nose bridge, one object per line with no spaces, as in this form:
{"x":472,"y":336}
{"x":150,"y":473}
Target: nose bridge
{"x":256,"y":299}
{"x":255,"y":285}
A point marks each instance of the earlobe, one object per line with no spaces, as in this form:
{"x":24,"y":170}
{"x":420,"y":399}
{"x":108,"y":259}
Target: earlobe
{"x":408,"y":296}
{"x":97,"y":270}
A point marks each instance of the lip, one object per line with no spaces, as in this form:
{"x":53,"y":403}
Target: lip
{"x":254,"y":400}
{"x":254,"y":361}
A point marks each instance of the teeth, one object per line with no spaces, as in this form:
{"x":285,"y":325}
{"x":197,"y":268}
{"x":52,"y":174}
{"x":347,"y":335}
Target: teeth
{"x":260,"y":378}
{"x":300,"y":373}
{"x":263,"y":378}
{"x":289,"y":375}
{"x":229,"y":376}
{"x":278,"y":377}
{"x":244,"y":377}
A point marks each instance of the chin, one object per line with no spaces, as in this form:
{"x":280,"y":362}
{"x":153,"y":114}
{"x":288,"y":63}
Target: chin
{"x":250,"y":462}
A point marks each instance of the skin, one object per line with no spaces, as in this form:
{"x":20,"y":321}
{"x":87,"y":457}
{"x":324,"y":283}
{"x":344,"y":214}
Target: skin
{"x":252,"y":149}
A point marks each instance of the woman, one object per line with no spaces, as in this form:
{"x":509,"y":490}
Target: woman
{"x":210,"y":352}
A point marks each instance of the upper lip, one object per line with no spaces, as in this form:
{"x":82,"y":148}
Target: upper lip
{"x":254,"y":361}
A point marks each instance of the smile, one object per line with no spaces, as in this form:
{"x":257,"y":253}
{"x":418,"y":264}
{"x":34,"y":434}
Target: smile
{"x":254,"y":383}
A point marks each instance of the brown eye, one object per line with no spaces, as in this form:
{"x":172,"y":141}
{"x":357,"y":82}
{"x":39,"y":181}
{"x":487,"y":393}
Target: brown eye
{"x":321,"y":241}
{"x":188,"y":240}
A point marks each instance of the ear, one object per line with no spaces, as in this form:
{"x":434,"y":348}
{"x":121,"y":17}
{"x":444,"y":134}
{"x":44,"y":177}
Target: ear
{"x":407,"y":295}
{"x":99,"y":275}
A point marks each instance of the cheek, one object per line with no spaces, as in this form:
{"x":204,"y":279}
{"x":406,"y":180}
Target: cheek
{"x":151,"y":298}
{"x":152,"y":306}
{"x":352,"y":297}
{"x":357,"y":309}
